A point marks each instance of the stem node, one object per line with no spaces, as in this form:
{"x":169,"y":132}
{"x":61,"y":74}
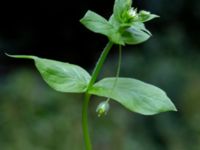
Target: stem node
{"x":95,"y":74}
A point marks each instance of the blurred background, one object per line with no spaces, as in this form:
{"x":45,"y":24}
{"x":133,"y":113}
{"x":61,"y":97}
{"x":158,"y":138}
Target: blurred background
{"x":35,"y":117}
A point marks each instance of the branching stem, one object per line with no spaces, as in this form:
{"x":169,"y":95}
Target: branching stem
{"x":96,"y":71}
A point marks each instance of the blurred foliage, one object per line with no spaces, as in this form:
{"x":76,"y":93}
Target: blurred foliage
{"x":33,"y":116}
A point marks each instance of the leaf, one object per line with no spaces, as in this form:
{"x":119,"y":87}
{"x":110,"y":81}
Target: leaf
{"x":133,"y":33}
{"x":136,"y":34}
{"x":116,"y":38}
{"x":145,"y":16}
{"x":135,"y":95}
{"x":96,"y":23}
{"x":62,"y":77}
{"x":112,"y":20}
{"x":120,"y":8}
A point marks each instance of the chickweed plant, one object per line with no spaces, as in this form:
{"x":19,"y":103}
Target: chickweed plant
{"x":125,"y":26}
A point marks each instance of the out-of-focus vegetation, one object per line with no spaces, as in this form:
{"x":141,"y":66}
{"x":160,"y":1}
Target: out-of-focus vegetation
{"x":34,"y":117}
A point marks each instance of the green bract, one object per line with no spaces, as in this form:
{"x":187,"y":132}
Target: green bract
{"x":125,"y":26}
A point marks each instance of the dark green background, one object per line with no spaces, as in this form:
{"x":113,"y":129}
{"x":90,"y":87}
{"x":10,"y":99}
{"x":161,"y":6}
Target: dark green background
{"x":34,"y":117}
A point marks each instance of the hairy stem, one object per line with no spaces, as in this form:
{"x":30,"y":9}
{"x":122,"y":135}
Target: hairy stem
{"x":96,"y":71}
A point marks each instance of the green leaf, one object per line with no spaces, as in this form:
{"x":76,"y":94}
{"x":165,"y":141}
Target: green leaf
{"x":116,"y":38}
{"x":121,"y":7}
{"x":135,"y":95}
{"x":62,"y":77}
{"x":132,"y":36}
{"x":133,"y":33}
{"x":96,"y":23}
{"x":136,"y":34}
{"x":145,"y":16}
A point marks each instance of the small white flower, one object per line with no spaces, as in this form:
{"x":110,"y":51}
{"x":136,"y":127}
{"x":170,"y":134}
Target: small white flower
{"x":133,"y":12}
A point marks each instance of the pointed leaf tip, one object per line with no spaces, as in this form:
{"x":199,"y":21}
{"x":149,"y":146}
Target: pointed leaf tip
{"x":21,"y":56}
{"x":62,"y":77}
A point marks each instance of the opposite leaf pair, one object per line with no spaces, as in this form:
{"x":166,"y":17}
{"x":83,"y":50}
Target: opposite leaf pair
{"x":135,"y":95}
{"x":125,"y":26}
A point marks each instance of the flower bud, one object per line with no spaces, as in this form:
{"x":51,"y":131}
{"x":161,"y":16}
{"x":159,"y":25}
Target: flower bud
{"x":102,"y":108}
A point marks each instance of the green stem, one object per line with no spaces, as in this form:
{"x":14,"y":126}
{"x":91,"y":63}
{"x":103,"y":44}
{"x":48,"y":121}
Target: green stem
{"x":86,"y":136}
{"x":97,"y":69}
{"x":100,"y":63}
{"x":118,"y":71}
{"x":119,"y":62}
